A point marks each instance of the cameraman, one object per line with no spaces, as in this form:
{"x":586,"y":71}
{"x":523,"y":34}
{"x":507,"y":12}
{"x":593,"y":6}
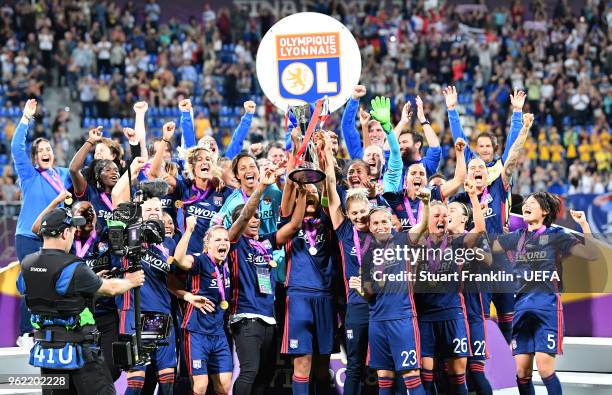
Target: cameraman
{"x":59,"y":290}
{"x":155,"y":297}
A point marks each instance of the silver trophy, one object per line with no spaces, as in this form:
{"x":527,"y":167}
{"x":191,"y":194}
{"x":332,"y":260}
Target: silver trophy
{"x":308,"y":170}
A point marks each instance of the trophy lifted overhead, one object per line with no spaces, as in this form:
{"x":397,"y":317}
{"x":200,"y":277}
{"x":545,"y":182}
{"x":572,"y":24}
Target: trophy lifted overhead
{"x":307,"y":169}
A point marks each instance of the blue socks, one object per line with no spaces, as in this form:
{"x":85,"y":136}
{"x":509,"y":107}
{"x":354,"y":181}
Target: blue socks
{"x":457,"y":384}
{"x":385,"y":385}
{"x":478,"y":379}
{"x":427,"y":379}
{"x":525,"y":385}
{"x":299,"y":385}
{"x":553,"y":385}
{"x":504,"y":322}
{"x":413,"y":385}
{"x":134,"y":385}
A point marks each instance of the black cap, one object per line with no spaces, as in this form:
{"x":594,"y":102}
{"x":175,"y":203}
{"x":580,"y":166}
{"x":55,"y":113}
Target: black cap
{"x":56,"y":220}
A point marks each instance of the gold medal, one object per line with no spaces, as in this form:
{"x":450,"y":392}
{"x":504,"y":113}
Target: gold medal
{"x":272,"y":264}
{"x":178,"y":204}
{"x":170,"y":260}
{"x":224,"y":305}
{"x":68,"y":201}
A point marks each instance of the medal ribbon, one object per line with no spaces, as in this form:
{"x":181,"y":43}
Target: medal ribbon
{"x":522,"y":243}
{"x":258,"y":246}
{"x":53,"y":179}
{"x":220,"y":278}
{"x":442,"y":247}
{"x":106,"y":200}
{"x":413,"y":221}
{"x":81,"y":249}
{"x":357,"y":243}
{"x":485,"y":196}
{"x":199,"y":195}
{"x":311,"y":232}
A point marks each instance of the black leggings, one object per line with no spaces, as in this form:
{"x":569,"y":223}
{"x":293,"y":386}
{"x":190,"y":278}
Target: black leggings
{"x":255,"y":347}
{"x":108,"y":325}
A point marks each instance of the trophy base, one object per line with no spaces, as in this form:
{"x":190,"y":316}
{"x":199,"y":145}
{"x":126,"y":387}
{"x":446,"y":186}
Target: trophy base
{"x":306,"y":174}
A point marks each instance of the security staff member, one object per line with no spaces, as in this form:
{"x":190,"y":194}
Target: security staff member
{"x":59,"y":290}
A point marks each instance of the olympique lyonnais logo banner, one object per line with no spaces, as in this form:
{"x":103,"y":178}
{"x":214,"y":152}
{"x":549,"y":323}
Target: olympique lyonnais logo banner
{"x":308,"y":65}
{"x":305,"y":57}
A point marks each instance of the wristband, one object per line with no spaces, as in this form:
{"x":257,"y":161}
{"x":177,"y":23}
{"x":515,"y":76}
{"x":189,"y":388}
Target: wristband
{"x":324,"y":201}
{"x":167,"y":141}
{"x":426,"y":122}
{"x":92,"y":144}
{"x":387,"y":127}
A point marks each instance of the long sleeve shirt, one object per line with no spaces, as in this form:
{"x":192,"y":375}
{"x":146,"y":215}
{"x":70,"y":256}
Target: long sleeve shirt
{"x":36,"y":191}
{"x":495,"y":166}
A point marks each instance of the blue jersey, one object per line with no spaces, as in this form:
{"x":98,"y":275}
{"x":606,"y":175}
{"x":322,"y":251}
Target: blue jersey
{"x":202,"y":280}
{"x":495,"y":198}
{"x":96,"y":254}
{"x":247,"y":264}
{"x":102,"y":204}
{"x":350,"y":262}
{"x":388,"y":280}
{"x":268,"y":209}
{"x":169,"y":204}
{"x":203,"y":209}
{"x":306,"y":272}
{"x":472,"y":289}
{"x":533,"y":255}
{"x":378,"y":200}
{"x":154,"y":294}
{"x":397,"y":201}
{"x":440,"y":299}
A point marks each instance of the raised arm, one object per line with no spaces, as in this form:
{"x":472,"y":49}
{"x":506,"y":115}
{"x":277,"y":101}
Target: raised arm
{"x":288,"y":198}
{"x":59,"y":199}
{"x":186,"y":122}
{"x":516,"y":122}
{"x":23,"y":164}
{"x":451,"y":187}
{"x":286,"y":232}
{"x":347,"y":126}
{"x":588,"y":250}
{"x":392,"y":177}
{"x":133,"y":143}
{"x":404,"y":122}
{"x":250,"y":208}
{"x":140,"y":108}
{"x":516,"y":149}
{"x":430,"y":134}
{"x":364,"y":120}
{"x":241,"y":131}
{"x":76,"y":164}
{"x":121,"y":190}
{"x":450,"y":97}
{"x":417,"y":230}
{"x":181,"y":259}
{"x":333,"y":200}
{"x":471,"y":239}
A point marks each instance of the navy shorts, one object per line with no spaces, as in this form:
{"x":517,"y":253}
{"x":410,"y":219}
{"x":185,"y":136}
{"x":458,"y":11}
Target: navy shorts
{"x":309,"y":325}
{"x":537,"y":331}
{"x":478,"y":339}
{"x":207,"y":354}
{"x":163,"y":356}
{"x":445,"y":339}
{"x":394,"y":345}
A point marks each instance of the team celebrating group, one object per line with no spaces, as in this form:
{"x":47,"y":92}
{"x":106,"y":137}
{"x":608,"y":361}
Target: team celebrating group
{"x":249,"y":253}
